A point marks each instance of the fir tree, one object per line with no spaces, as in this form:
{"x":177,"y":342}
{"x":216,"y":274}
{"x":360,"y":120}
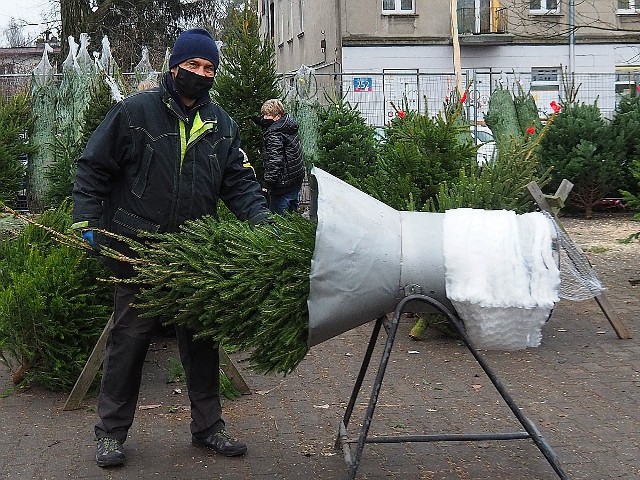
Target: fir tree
{"x":346,"y":145}
{"x":244,"y":286}
{"x":247,"y":76}
{"x":501,"y":184}
{"x":626,"y":125}
{"x":581,"y":147}
{"x":418,"y":154}
{"x":53,"y":309}
{"x":15,"y":119}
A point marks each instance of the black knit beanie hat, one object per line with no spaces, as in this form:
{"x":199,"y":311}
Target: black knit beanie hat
{"x":194,"y":43}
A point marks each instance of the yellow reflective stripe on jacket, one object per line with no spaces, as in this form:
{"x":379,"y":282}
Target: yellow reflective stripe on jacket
{"x":183,"y":142}
{"x":198,"y":129}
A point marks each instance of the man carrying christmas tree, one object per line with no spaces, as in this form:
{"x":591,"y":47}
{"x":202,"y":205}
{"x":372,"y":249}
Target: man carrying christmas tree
{"x":161,"y":157}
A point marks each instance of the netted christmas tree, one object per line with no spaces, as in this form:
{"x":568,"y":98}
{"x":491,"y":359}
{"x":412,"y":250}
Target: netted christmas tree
{"x":306,"y":113}
{"x":66,"y":114}
{"x":43,"y":104}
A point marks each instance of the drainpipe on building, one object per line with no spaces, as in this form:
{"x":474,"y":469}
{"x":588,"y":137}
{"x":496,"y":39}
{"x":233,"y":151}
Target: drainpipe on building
{"x":338,"y":50}
{"x":572,"y":37}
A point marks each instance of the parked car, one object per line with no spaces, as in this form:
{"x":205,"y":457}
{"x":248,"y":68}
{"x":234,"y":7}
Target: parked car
{"x":486,"y":143}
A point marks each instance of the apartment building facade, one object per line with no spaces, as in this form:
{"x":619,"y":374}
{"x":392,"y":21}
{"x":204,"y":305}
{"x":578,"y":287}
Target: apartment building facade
{"x":392,"y":49}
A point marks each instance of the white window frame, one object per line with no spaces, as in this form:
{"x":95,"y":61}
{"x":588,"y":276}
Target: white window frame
{"x":543,"y":10}
{"x":397,"y":10}
{"x":633,"y":7}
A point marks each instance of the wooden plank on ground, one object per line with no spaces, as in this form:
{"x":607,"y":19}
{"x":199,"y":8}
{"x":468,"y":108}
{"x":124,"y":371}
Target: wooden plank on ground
{"x":90,"y":370}
{"x":94,"y":362}
{"x":232,"y":373}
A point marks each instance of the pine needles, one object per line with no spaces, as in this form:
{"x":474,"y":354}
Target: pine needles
{"x":245,"y":286}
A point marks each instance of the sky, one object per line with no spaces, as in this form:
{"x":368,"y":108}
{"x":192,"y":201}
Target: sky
{"x":31,"y":12}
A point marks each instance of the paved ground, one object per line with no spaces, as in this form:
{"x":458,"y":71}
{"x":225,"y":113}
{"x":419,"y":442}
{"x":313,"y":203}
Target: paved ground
{"x":581,"y":387}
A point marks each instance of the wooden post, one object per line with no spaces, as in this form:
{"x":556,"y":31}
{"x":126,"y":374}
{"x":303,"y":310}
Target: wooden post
{"x":230,"y":370}
{"x":90,"y":370}
{"x":552,"y":204}
{"x":457,"y":67}
{"x":94,"y":362}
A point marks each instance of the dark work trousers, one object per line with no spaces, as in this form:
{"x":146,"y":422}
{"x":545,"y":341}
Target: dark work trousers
{"x":127,"y":347}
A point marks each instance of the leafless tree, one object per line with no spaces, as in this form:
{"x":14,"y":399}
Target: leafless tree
{"x":15,"y":34}
{"x":590,"y":17}
{"x":131,"y":25}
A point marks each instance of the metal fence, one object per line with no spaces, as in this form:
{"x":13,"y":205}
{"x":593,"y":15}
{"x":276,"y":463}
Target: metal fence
{"x":379,"y":96}
{"x":12,"y":84}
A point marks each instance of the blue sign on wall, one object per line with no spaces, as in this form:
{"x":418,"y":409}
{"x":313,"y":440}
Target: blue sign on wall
{"x":362,"y":84}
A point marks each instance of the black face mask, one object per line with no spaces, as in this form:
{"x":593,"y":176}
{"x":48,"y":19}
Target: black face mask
{"x":263,"y":122}
{"x":191,"y":85}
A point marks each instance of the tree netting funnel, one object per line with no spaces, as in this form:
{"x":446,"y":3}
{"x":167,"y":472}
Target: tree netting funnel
{"x":497,"y":270}
{"x":367,"y":257}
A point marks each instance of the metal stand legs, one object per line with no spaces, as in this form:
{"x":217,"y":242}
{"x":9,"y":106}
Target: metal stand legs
{"x":353,"y":458}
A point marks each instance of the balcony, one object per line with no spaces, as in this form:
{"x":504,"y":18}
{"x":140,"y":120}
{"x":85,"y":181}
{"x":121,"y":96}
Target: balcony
{"x":483,"y":26}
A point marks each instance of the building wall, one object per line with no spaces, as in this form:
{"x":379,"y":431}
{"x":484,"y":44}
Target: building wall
{"x":21,"y":60}
{"x":590,"y":58}
{"x":299,"y":41}
{"x":365,"y":22}
{"x":300,"y":27}
{"x":401,"y":51}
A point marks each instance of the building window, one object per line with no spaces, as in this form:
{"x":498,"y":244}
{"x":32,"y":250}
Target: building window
{"x":272,"y":21}
{"x":627,"y":81}
{"x":628,"y":5}
{"x":544,"y":6}
{"x":397,"y":6}
{"x":474,"y":16}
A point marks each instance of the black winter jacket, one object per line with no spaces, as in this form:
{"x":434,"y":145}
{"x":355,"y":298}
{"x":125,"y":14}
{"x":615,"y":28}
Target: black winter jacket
{"x":282,"y":156}
{"x":136,"y":174}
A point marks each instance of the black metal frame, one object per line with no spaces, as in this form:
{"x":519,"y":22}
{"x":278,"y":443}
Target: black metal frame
{"x":353,"y":458}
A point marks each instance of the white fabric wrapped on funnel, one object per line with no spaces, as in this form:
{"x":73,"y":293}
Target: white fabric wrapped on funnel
{"x":501,"y":275}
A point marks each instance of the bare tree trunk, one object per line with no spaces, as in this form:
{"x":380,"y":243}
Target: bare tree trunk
{"x":75,"y":20}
